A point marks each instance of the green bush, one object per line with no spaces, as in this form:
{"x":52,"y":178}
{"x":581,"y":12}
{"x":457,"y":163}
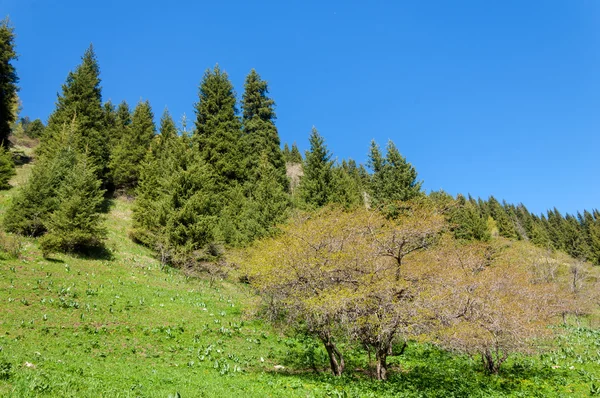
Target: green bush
{"x":7,"y":168}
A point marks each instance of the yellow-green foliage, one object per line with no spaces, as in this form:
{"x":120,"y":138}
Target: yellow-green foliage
{"x":343,"y":273}
{"x":361,"y":276}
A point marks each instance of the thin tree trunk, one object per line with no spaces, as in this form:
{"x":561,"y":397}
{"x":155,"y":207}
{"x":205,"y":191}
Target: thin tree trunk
{"x":492,"y":364}
{"x":336,"y":359}
{"x":370,"y":368}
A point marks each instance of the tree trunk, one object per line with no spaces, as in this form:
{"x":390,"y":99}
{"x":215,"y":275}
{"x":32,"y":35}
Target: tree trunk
{"x":492,"y":364}
{"x":336,"y":359}
{"x":399,"y":264}
{"x":381,"y":356}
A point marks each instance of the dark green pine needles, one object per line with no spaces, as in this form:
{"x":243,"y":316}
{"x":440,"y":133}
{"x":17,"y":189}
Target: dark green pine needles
{"x":8,"y":80}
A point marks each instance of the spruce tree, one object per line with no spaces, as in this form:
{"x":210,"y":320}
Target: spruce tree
{"x":394,"y":179}
{"x":35,"y":129}
{"x":360,"y":180}
{"x":269,"y":201}
{"x":260,"y":133}
{"x":286,"y":152}
{"x":122,"y":123}
{"x":76,"y":224}
{"x":218,"y":130}
{"x":193,"y":208}
{"x":317,"y":185}
{"x":575,"y":242}
{"x":110,"y":124}
{"x":176,"y":209}
{"x":8,"y":80}
{"x":592,"y":226}
{"x":126,"y":159}
{"x":81,"y":98}
{"x":539,"y":235}
{"x":467,"y":221}
{"x":167,"y":136}
{"x":346,"y":189}
{"x":7,"y":168}
{"x":33,"y":204}
{"x":168,"y":154}
{"x":524,"y":220}
{"x":505,"y":224}
{"x":555,"y":227}
{"x":295,"y":155}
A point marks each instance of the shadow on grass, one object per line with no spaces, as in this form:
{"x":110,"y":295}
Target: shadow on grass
{"x":427,"y":371}
{"x":20,"y":158}
{"x":94,"y":253}
{"x":107,"y":204}
{"x":85,"y":253}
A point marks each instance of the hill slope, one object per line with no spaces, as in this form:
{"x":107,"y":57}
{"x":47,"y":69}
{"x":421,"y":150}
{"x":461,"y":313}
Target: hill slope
{"x":122,"y":325}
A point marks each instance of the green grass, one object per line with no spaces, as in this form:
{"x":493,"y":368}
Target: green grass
{"x":120,"y":325}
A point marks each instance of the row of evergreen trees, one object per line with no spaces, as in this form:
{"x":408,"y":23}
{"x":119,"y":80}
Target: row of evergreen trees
{"x":226,"y":181}
{"x":578,"y":235}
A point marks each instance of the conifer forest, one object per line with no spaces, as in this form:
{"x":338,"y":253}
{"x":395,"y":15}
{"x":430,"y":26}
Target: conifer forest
{"x":147,"y":255}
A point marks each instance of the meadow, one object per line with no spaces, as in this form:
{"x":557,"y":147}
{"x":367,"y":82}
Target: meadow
{"x":118,"y":323}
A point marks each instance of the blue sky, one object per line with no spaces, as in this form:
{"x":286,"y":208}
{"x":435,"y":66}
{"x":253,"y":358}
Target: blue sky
{"x":484,"y":97}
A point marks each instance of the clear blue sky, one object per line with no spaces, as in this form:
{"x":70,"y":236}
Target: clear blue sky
{"x":484,"y":97}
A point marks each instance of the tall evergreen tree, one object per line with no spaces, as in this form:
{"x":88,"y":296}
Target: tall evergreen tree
{"x":35,"y":129}
{"x":467,"y":221}
{"x":168,"y":130}
{"x":346,"y":189}
{"x":176,"y":208}
{"x":394,"y":179}
{"x":260,"y":133}
{"x":524,"y":221}
{"x":286,"y":152}
{"x":269,"y":200}
{"x":126,"y":159}
{"x":295,"y":155}
{"x":191,"y":209}
{"x":555,"y":227}
{"x":317,"y":185}
{"x":218,"y":130}
{"x":33,"y":204}
{"x":575,"y":242}
{"x":110,"y":124}
{"x":81,"y":98}
{"x":8,"y":80}
{"x":539,"y":233}
{"x":167,"y":156}
{"x":505,"y":224}
{"x":122,"y":123}
{"x":591,"y":225}
{"x":76,"y":223}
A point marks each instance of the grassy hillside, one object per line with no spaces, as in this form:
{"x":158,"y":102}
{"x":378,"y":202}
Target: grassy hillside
{"x":120,"y":325}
